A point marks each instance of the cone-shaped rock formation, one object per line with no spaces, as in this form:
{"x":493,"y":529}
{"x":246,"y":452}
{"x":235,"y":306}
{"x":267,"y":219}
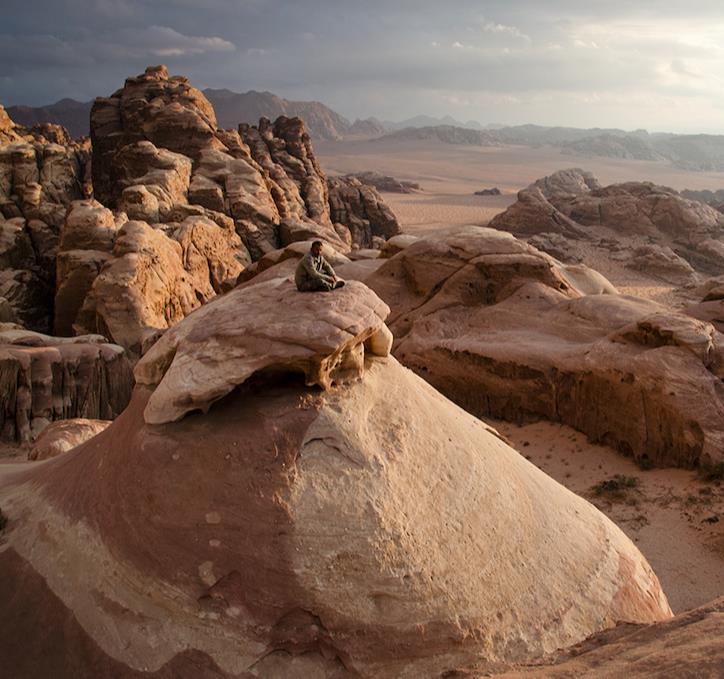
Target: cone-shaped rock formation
{"x":368,"y":528}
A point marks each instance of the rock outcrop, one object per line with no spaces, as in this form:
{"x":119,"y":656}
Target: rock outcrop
{"x":227,"y":197}
{"x":361,"y":209}
{"x":51,"y":378}
{"x":573,"y":204}
{"x":155,"y":278}
{"x":362,"y":527}
{"x":506,"y":331}
{"x":383,"y":182}
{"x":41,"y":173}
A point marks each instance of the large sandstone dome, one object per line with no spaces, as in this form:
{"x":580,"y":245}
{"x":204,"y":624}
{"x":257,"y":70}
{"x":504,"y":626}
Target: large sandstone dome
{"x":236,"y":521}
{"x":507,"y":331}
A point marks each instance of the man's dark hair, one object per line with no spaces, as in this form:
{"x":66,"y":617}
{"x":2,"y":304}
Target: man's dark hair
{"x":318,"y":242}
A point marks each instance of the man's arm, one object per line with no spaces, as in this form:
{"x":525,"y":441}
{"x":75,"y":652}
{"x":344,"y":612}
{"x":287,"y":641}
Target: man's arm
{"x":327,"y":268}
{"x":308,"y":264}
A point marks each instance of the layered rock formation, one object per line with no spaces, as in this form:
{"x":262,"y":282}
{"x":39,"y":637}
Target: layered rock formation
{"x":507,"y":331}
{"x":51,"y":378}
{"x":573,"y":204}
{"x":363,"y":527}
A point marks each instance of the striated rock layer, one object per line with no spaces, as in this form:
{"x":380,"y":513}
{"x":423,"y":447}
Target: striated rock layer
{"x":505,"y":330}
{"x":52,"y":378}
{"x":368,"y":528}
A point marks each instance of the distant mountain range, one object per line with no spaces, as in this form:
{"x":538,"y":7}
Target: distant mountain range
{"x":71,"y":114}
{"x":322,"y":122}
{"x":231,"y":109}
{"x":697,"y":152}
{"x":691,"y":152}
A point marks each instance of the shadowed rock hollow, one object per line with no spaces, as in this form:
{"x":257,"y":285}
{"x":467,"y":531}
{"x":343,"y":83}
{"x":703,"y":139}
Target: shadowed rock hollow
{"x":505,"y":330}
{"x":368,"y":528}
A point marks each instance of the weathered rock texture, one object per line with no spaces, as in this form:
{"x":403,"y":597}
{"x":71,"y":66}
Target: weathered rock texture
{"x":507,"y":331}
{"x":572,"y":203}
{"x":361,"y":208}
{"x":690,"y":645}
{"x":41,"y":173}
{"x":154,"y":278}
{"x":369,"y":528}
{"x":185,"y":206}
{"x":51,"y":378}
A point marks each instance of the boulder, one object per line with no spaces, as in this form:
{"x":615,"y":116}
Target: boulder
{"x":361,"y":527}
{"x":361,"y":209}
{"x":661,"y":262}
{"x":51,"y":378}
{"x":64,"y":435}
{"x":508,"y":332}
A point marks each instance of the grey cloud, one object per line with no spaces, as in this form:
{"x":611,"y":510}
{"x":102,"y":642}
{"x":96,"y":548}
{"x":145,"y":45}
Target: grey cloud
{"x":373,"y":57}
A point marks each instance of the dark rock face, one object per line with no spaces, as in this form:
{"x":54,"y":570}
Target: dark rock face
{"x":153,"y":107}
{"x":362,"y":210}
{"x":41,"y":173}
{"x":495,"y":191}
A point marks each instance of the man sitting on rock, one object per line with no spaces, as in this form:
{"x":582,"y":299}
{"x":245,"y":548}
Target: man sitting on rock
{"x":314,"y":273}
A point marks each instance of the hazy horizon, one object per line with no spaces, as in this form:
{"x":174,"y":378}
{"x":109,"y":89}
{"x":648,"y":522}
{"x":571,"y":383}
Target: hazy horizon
{"x":656,"y":66}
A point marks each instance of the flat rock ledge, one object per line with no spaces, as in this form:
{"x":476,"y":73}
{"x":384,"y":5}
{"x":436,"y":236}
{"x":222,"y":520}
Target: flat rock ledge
{"x":323,"y":336}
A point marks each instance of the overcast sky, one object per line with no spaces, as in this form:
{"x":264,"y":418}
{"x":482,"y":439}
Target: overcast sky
{"x":657,"y":64}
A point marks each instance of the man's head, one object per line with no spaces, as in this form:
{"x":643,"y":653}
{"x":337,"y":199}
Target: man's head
{"x":317,"y":248}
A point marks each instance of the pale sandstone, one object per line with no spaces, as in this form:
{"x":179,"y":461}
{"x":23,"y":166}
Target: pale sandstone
{"x":64,"y":435}
{"x":319,"y":336}
{"x":507,"y":331}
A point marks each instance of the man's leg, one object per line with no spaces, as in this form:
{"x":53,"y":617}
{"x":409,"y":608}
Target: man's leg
{"x":316,"y":285}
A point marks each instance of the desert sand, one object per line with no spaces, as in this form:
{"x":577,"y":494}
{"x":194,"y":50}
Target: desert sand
{"x":450,"y":174}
